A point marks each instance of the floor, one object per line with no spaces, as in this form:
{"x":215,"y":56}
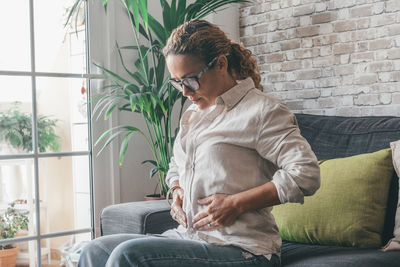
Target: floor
{"x":52,"y":264}
{"x":55,"y":262}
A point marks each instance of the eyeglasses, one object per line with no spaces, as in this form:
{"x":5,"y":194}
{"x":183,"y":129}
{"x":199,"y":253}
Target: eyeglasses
{"x":191,"y":83}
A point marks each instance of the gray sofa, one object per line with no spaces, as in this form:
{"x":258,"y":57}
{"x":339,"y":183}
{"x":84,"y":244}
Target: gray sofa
{"x":330,"y":137}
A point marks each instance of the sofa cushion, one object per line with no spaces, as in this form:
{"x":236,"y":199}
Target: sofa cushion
{"x":335,"y":137}
{"x":349,"y":208}
{"x":140,"y":217}
{"x":302,"y":255}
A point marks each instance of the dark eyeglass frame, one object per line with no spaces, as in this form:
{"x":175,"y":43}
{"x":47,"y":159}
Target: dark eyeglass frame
{"x":178,"y":85}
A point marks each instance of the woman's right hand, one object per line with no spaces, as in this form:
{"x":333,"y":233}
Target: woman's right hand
{"x":177,"y":212}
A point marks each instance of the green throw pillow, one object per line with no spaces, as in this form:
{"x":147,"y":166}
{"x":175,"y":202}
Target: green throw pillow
{"x":349,"y":208}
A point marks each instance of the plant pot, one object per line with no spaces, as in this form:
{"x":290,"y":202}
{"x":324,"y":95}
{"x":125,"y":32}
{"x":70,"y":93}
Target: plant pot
{"x":8,"y":257}
{"x":154,"y":197}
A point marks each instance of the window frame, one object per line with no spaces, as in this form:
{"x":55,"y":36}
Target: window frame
{"x":36,"y":155}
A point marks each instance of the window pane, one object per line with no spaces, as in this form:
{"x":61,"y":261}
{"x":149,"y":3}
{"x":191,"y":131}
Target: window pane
{"x":26,"y":256}
{"x":64,"y":191}
{"x":15,"y":115}
{"x":65,"y":250}
{"x":63,"y":102}
{"x":59,"y":48}
{"x":26,"y":253}
{"x":17,"y":197}
{"x":14,"y":29}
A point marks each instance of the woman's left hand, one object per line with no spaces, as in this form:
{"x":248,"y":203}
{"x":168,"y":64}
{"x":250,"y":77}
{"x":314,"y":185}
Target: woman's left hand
{"x":220,"y":212}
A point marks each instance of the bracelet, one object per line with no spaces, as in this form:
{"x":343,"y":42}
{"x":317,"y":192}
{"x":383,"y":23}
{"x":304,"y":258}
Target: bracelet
{"x":171,"y":191}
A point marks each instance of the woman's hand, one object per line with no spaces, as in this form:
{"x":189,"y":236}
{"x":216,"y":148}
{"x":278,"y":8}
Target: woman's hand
{"x":177,"y":212}
{"x":221,"y":212}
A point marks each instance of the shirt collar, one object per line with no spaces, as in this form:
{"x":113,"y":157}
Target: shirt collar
{"x":233,"y":96}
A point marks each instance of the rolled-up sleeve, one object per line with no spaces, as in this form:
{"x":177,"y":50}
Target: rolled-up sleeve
{"x":173,"y":173}
{"x":280,"y":142}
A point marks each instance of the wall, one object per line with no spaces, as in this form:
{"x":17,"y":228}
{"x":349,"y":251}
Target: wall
{"x":334,"y":57}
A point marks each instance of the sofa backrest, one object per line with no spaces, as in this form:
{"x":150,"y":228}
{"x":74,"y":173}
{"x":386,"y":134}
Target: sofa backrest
{"x":336,"y":137}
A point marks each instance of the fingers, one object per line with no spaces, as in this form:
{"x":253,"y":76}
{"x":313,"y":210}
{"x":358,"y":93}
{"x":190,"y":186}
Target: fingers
{"x":219,"y":212}
{"x":206,"y":200}
{"x":206,"y":224}
{"x":203,"y":221}
{"x":199,"y":216}
{"x":180,"y":217}
{"x":178,"y":214}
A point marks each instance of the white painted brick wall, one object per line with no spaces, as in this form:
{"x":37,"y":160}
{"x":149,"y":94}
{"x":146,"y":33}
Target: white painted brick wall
{"x":333,"y":57}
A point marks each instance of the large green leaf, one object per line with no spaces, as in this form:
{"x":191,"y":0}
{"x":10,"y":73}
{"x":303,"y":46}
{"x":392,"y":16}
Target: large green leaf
{"x":158,"y":30}
{"x":75,"y":6}
{"x":109,"y":140}
{"x":173,"y":15}
{"x":130,"y":88}
{"x":99,"y":104}
{"x":113,"y":76}
{"x":160,"y":71}
{"x":203,"y":8}
{"x":110,"y":107}
{"x":144,"y":13}
{"x":155,"y":164}
{"x":134,"y":7}
{"x":153,"y":171}
{"x":122,"y":61}
{"x":124,"y":146}
{"x":142,"y":30}
{"x":142,"y":72}
{"x":166,"y":15}
{"x":180,"y":12}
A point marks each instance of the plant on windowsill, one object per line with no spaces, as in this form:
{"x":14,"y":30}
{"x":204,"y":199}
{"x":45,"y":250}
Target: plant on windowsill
{"x":16,"y":129}
{"x":147,"y":91}
{"x":12,"y":220}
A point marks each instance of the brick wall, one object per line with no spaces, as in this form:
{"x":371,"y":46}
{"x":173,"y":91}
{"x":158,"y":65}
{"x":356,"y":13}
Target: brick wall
{"x":333,"y":57}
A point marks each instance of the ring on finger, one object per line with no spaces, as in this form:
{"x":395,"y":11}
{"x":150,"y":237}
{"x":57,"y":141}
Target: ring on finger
{"x":209,"y":225}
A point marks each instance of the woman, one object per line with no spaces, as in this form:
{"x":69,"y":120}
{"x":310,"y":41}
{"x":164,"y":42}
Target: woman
{"x":238,"y":153}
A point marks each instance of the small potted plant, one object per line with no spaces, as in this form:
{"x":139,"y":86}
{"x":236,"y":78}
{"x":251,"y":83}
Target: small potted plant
{"x":16,"y":129}
{"x":12,"y":220}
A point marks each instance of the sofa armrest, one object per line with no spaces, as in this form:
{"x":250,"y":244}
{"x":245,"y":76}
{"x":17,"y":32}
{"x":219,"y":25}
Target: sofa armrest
{"x":137,"y":218}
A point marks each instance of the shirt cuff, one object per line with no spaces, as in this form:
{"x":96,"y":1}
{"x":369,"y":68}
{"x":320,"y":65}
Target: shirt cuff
{"x":170,"y":180}
{"x":288,"y":191}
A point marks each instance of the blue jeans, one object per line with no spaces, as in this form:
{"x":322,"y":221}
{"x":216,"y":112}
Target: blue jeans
{"x":125,"y":250}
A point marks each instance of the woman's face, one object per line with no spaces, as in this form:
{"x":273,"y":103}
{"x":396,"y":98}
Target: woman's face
{"x":212,"y":82}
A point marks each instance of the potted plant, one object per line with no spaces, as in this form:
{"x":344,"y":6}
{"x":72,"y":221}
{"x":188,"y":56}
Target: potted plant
{"x":16,"y":129}
{"x":12,"y":220}
{"x":147,"y":90}
{"x":16,"y":133}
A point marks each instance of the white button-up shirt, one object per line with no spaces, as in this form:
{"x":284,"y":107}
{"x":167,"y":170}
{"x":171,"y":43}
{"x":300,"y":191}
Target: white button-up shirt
{"x":249,"y":138}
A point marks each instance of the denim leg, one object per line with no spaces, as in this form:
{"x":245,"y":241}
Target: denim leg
{"x":161,"y":251}
{"x":96,"y":252}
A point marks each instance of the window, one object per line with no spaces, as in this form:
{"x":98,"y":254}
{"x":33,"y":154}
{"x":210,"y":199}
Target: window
{"x":45,"y":128}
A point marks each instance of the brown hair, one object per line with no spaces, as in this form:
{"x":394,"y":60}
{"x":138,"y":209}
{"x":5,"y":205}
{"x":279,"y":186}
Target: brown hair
{"x":207,"y":41}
